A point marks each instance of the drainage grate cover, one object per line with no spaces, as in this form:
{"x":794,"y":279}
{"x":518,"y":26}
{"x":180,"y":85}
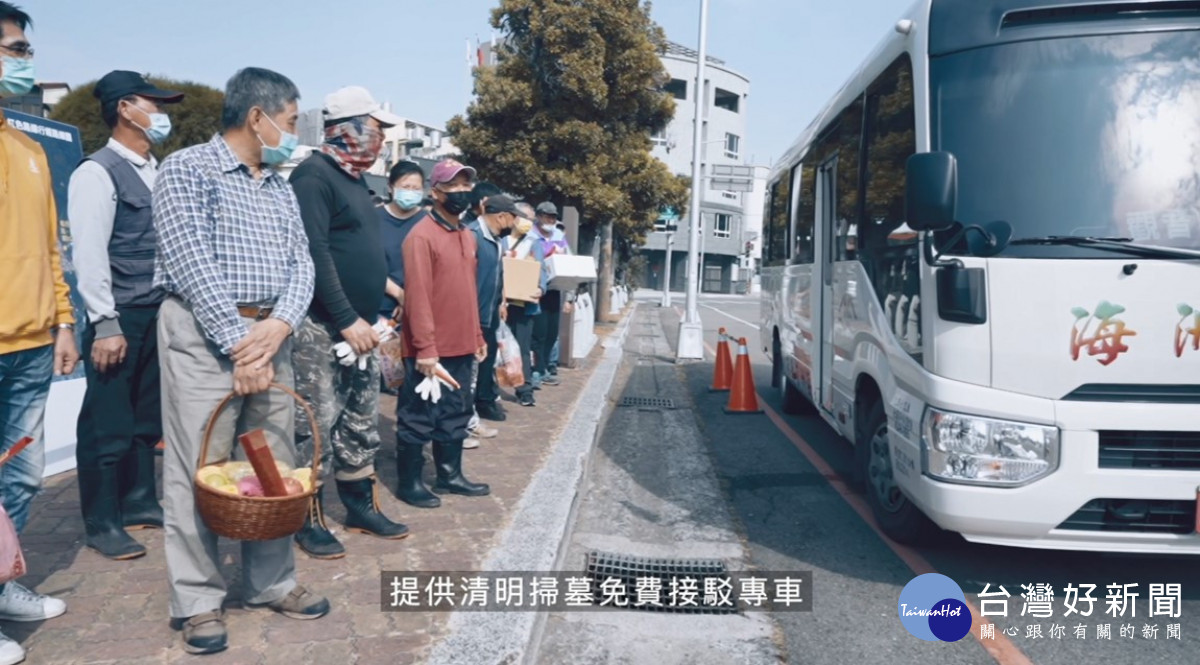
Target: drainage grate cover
{"x":648,"y":402}
{"x":602,"y":566}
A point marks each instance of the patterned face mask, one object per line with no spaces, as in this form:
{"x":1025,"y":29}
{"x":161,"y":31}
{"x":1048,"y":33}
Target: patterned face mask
{"x":353,"y":144}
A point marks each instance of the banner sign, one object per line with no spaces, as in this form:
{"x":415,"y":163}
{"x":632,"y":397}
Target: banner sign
{"x":64,"y":150}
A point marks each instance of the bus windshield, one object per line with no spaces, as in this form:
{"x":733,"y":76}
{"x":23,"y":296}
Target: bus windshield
{"x":1081,"y":136}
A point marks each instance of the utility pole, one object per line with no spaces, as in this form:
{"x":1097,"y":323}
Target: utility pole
{"x":666,"y":297}
{"x":691,"y":330}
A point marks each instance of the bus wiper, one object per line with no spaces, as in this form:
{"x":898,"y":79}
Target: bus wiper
{"x":1116,"y":244}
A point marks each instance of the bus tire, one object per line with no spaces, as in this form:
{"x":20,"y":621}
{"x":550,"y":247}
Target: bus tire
{"x":898,"y":518}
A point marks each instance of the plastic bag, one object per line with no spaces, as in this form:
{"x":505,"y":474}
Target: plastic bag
{"x":12,"y":561}
{"x":509,"y":371}
{"x":391,"y":361}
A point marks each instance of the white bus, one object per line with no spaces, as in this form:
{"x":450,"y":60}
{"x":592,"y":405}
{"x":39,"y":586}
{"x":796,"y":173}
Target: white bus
{"x":980,"y":267}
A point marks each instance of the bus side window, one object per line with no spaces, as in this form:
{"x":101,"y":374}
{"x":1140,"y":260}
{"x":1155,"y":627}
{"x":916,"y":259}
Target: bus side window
{"x":888,"y":248}
{"x":805,"y":246}
{"x":775,"y":228}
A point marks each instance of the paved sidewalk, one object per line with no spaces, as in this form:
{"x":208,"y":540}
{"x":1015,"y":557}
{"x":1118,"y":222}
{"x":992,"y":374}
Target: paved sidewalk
{"x":117,"y":611}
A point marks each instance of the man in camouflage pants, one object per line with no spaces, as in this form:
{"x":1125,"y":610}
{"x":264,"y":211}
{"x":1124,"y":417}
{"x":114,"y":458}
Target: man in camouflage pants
{"x":332,"y":356}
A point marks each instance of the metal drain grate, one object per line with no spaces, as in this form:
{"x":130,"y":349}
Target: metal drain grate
{"x":648,"y":402}
{"x":602,"y":566}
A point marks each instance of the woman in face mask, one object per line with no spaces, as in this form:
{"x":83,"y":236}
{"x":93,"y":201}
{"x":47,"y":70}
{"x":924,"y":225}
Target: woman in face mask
{"x":397,"y":218}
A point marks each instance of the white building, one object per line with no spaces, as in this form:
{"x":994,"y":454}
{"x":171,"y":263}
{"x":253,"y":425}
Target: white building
{"x":729,"y":220}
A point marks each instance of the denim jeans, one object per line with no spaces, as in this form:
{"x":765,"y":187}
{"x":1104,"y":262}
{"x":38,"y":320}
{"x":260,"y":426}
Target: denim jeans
{"x":24,"y":386}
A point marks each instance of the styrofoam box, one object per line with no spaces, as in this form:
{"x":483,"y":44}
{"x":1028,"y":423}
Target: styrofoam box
{"x":569,"y":271}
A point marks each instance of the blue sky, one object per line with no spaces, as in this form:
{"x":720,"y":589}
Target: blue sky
{"x":797,"y":53}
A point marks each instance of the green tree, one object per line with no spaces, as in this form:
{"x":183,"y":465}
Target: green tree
{"x":567,"y":115}
{"x":194,"y":120}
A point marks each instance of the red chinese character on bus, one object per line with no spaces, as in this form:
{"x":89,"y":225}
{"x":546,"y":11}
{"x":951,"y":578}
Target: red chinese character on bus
{"x":1100,"y":332}
{"x":1183,"y":333}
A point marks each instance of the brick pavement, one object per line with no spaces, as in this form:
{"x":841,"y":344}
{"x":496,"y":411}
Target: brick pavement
{"x":117,"y":611}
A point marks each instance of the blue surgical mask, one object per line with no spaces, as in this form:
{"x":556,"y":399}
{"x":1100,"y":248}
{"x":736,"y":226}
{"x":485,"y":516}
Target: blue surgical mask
{"x":276,"y":155}
{"x":160,"y":126}
{"x":407,"y":199}
{"x":16,"y":76}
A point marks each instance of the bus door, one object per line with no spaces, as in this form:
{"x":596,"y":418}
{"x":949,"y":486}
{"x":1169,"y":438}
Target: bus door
{"x":826,"y":207}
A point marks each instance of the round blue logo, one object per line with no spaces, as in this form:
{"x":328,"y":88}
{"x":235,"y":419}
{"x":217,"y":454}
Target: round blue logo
{"x":933,"y":607}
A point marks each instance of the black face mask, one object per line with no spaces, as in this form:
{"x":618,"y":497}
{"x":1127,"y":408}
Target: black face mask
{"x":504,"y":233}
{"x":456,"y":203}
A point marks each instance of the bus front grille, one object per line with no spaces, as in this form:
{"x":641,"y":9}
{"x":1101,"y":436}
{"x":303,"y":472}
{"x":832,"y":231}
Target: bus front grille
{"x":1177,"y":451}
{"x":1134,"y":515}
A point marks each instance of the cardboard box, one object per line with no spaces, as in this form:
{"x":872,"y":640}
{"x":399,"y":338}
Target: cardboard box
{"x":522,"y":278}
{"x":568,"y":271}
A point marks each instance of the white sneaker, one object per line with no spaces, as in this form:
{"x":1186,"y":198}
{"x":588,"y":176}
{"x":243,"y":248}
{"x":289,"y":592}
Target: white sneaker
{"x":11,"y":653}
{"x":20,"y":604}
{"x":467,"y":445}
{"x":482,"y":431}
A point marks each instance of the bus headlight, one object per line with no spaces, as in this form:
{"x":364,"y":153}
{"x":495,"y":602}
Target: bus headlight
{"x":984,"y":451}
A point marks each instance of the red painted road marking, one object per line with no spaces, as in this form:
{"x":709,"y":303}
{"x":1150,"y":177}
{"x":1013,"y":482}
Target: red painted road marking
{"x":1002,"y":650}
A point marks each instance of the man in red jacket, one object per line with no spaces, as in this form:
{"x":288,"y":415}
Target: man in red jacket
{"x":440,"y":325}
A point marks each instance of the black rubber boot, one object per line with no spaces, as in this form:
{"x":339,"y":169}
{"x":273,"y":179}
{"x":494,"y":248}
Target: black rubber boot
{"x":102,"y":515}
{"x":448,"y":457}
{"x":410,"y":460}
{"x":362,"y":510}
{"x":140,"y":508}
{"x":314,"y":537}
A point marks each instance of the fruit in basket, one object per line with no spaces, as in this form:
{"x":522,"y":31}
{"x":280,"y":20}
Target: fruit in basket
{"x":213,"y":476}
{"x":236,"y":471}
{"x":293,"y":486}
{"x":229,"y":489}
{"x":305,"y":478}
{"x":250,"y":486}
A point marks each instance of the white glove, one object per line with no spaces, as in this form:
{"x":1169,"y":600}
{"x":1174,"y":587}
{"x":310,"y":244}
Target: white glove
{"x":346,"y":356}
{"x":384,"y":329}
{"x":429,"y":390}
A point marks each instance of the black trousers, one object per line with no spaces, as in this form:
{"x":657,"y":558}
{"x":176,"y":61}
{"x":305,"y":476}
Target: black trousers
{"x":521,"y":325}
{"x":418,"y":422}
{"x":545,"y":334}
{"x":485,"y":387}
{"x":122,"y":407}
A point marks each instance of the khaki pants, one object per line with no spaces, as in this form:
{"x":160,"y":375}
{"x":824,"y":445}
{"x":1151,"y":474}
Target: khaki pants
{"x":195,"y":378}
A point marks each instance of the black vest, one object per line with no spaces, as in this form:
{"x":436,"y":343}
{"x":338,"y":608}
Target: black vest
{"x":131,"y":248}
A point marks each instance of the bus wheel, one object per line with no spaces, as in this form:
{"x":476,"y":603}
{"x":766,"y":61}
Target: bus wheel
{"x":897,"y":516}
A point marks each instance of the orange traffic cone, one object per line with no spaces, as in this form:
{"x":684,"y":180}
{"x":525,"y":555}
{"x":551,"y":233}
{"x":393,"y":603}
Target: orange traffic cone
{"x":742,"y":398}
{"x":723,"y":370}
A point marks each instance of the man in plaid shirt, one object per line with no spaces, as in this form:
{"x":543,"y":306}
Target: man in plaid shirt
{"x":233,"y":258}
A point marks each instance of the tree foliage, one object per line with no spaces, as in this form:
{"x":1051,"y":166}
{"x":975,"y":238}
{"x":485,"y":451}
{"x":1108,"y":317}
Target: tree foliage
{"x":194,"y":120}
{"x":567,"y":113}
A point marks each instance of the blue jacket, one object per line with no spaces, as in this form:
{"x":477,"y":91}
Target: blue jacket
{"x":489,"y":275}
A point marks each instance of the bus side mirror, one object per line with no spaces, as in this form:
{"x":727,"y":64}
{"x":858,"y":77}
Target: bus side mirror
{"x":931,"y":191}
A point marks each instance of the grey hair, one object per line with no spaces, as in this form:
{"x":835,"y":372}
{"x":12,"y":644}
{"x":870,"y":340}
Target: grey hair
{"x":254,"y":86}
{"x":526,"y":210}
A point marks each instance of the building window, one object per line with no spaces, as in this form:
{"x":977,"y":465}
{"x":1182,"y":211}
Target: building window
{"x":723,"y":225}
{"x":732,"y":144}
{"x":677,"y":88}
{"x":659,"y":137}
{"x":723,"y":99}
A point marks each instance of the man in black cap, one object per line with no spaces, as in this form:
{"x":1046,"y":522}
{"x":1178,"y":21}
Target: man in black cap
{"x":499,"y":218}
{"x":114,"y":244}
{"x":552,"y":240}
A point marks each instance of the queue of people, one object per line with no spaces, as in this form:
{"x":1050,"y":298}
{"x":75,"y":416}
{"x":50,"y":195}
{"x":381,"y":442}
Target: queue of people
{"x":209,"y":273}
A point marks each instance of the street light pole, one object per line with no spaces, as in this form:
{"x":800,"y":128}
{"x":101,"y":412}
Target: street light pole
{"x":691,"y":330}
{"x":666,"y":298}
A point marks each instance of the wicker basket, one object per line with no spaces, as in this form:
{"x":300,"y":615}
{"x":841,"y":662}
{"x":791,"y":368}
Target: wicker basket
{"x":251,"y":517}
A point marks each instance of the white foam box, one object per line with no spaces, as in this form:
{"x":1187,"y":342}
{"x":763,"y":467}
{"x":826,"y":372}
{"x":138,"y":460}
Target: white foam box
{"x":567,"y":271}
